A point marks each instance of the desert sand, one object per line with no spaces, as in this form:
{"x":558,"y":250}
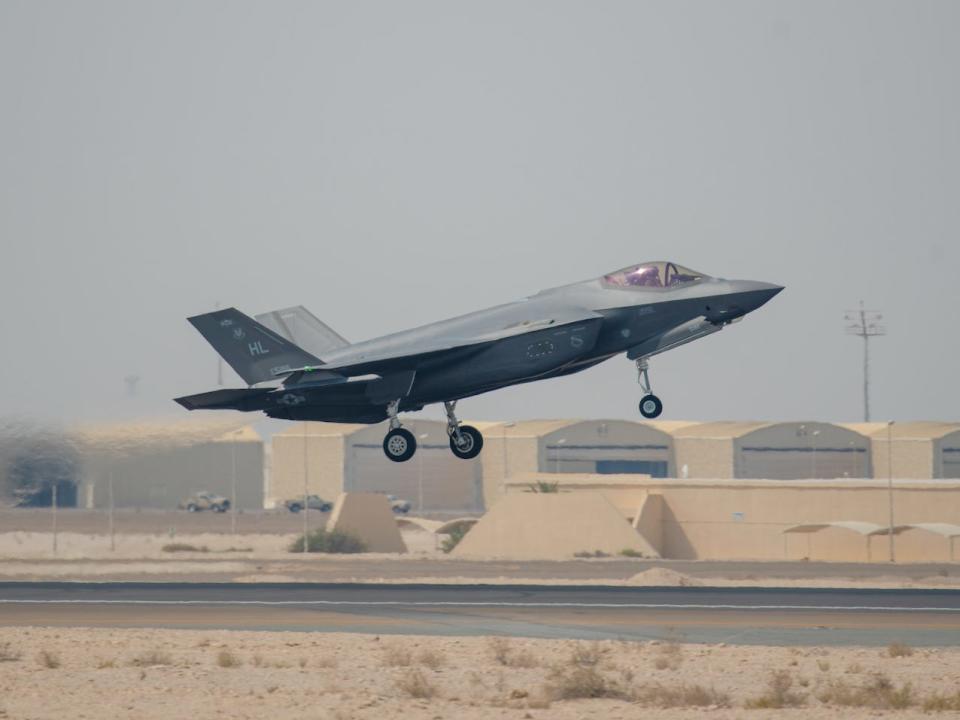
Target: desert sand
{"x":87,"y":673}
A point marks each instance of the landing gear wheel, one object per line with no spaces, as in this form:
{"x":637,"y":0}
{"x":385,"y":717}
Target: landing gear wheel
{"x":470,"y":442}
{"x":399,"y":445}
{"x":650,"y":406}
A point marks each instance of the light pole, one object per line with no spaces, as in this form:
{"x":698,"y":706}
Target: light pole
{"x":113,"y":542}
{"x":233,"y":482}
{"x":890,"y":485}
{"x":561,"y":441}
{"x":53,"y":510}
{"x":422,"y":436}
{"x":503,"y":479}
{"x":813,"y":462}
{"x":306,"y":490}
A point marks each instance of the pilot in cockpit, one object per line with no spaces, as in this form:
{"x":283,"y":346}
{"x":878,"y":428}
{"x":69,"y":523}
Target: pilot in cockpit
{"x":646,"y":275}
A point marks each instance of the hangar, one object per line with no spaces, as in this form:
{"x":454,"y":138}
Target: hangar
{"x":775,"y":451}
{"x":576,"y":446}
{"x":920,"y":450}
{"x":333,"y":458}
{"x":158,"y":464}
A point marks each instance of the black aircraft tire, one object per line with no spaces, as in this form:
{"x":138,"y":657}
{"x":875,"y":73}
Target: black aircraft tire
{"x":473,"y":443}
{"x":399,"y":445}
{"x":650,"y":406}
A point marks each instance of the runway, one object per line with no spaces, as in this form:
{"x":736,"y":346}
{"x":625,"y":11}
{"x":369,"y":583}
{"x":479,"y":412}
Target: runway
{"x":769,"y":616}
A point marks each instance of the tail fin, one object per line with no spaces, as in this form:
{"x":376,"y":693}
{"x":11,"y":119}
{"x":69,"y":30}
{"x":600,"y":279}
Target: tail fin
{"x":300,"y":326}
{"x":254,"y":351}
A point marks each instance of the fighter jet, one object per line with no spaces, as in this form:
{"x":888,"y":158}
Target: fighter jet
{"x":297,"y":368}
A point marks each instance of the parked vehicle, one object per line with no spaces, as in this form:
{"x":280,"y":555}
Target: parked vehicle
{"x":314,"y":502}
{"x":398,"y":505}
{"x":205,"y":500}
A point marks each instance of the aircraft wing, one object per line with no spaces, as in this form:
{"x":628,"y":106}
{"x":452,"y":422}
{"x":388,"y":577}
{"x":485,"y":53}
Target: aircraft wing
{"x":389,"y":357}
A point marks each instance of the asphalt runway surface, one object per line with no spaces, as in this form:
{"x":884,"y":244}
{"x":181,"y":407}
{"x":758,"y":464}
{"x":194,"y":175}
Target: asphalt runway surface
{"x":766,"y":616}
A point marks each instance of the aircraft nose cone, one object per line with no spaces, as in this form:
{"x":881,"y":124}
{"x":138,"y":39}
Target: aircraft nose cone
{"x":744,"y":296}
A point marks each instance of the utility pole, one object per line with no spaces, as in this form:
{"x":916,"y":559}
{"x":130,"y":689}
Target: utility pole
{"x":866,"y":324}
{"x":306,"y":492}
{"x":53,"y":512}
{"x":113,"y":536}
{"x":890,"y":486}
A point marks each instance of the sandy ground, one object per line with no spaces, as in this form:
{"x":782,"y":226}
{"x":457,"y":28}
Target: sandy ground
{"x":87,"y":673}
{"x":263,"y":557}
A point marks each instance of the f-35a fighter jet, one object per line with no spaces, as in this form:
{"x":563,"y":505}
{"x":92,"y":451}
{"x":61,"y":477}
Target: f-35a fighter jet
{"x":297,"y":368}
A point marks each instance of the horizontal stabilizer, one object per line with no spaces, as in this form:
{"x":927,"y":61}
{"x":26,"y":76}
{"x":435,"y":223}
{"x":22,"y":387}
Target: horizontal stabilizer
{"x":226,"y":399}
{"x":304,"y":329}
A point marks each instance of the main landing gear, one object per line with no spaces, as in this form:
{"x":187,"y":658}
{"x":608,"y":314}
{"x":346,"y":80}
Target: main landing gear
{"x":466,"y":442}
{"x":650,"y":405}
{"x":400,"y":444}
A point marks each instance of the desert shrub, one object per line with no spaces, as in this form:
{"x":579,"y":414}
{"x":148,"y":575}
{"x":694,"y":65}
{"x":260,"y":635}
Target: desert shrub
{"x":183,"y":547}
{"x":586,"y":655}
{"x":778,"y":694}
{"x":9,"y":654}
{"x":329,"y":541}
{"x":49,"y":660}
{"x":572,"y":681}
{"x":153,"y":657}
{"x":227,"y":659}
{"x":899,"y":649}
{"x":685,"y":695}
{"x":415,"y":684}
{"x":456,"y":534}
{"x":397,"y":656}
{"x":878,"y":692}
{"x":588,"y":554}
{"x":630,"y":552}
{"x":505,"y":654}
{"x":432,"y":659}
{"x":824,"y":665}
{"x":942,"y":703}
{"x":669,"y":656}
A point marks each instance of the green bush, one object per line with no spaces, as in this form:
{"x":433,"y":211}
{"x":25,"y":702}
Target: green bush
{"x":332,"y":541}
{"x":454,"y":537}
{"x":542,"y":486}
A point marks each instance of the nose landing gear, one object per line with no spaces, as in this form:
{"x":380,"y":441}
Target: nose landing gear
{"x":650,"y":405}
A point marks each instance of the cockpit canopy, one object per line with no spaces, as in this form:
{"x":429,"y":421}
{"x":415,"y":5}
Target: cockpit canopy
{"x":653,"y":275}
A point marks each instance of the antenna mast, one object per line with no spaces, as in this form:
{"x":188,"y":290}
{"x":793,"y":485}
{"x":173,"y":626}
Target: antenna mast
{"x":866,"y":324}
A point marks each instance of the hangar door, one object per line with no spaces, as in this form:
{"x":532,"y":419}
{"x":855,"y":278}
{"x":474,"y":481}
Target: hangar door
{"x":784,"y":452}
{"x":448,"y":483}
{"x":951,"y":463}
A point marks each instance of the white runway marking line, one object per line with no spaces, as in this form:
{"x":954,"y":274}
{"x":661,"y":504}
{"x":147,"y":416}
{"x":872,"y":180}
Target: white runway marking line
{"x":454,"y":603}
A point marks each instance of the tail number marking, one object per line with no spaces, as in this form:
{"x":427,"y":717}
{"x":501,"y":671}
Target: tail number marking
{"x":257,"y":349}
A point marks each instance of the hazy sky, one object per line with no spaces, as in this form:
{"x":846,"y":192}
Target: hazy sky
{"x":390,"y":164}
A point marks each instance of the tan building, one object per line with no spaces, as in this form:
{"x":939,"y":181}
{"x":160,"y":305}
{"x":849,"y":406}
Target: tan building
{"x":914,"y":449}
{"x":335,"y":458}
{"x":774,"y":451}
{"x":747,"y":519}
{"x":576,"y":446}
{"x":158,"y":464}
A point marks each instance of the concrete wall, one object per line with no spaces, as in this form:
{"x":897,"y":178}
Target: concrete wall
{"x":746,"y":519}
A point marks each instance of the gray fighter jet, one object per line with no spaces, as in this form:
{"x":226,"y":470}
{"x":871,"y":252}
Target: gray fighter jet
{"x":297,"y":368}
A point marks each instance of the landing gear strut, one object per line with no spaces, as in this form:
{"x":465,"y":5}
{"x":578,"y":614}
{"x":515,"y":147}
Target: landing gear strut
{"x":400,"y":444}
{"x":650,"y":405}
{"x":466,"y":442}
